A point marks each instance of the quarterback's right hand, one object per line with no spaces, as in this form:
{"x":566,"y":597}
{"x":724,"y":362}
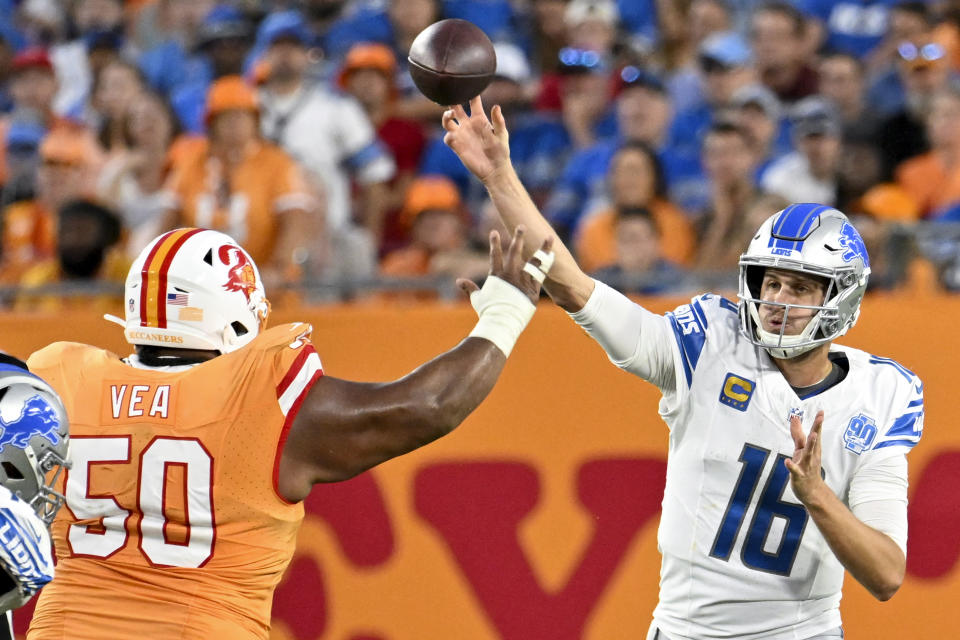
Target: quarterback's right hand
{"x":511,"y":267}
{"x":482,"y":146}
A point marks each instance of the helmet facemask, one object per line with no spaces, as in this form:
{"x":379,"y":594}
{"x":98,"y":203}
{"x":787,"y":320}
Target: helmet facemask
{"x":824,"y":326}
{"x":48,"y":500}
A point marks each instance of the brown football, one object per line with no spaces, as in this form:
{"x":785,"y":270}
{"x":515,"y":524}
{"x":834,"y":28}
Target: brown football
{"x":452,"y":61}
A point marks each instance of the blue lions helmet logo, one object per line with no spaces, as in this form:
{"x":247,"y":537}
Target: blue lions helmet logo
{"x":851,"y":241}
{"x":38,"y":418}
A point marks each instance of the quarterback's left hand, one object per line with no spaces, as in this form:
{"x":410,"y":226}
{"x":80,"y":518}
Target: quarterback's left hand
{"x":805,"y":478}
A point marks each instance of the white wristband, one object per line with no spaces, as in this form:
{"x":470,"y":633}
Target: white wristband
{"x":504,"y":313}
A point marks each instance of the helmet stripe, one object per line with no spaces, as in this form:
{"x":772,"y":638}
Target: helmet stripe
{"x":145,"y":279}
{"x":164,"y":267}
{"x":153,"y":287}
{"x":795,"y":222}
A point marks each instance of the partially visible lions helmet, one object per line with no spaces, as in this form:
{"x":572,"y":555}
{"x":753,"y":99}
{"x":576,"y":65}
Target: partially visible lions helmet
{"x":34,"y":440}
{"x":194,"y":289}
{"x":815,"y":240}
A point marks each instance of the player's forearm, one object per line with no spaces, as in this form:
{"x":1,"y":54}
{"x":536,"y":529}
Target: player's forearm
{"x":447,"y":389}
{"x":567,"y":284}
{"x":870,"y":556}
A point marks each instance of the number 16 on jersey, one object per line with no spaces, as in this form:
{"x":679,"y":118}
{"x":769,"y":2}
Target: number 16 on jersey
{"x":769,"y":506}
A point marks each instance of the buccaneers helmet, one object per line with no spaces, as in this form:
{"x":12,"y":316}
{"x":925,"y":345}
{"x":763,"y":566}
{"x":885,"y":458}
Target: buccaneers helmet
{"x":194,"y":289}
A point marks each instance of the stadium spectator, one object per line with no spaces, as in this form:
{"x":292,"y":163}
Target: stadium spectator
{"x":87,"y":252}
{"x":906,"y":22}
{"x":69,"y":160}
{"x":909,"y":22}
{"x":703,"y":18}
{"x":810,"y":173}
{"x":97,"y":28}
{"x":923,"y":71}
{"x":8,"y":47}
{"x":643,"y":115}
{"x":132,"y":181}
{"x":540,"y":144}
{"x":635,"y":181}
{"x":639,"y":267}
{"x":782,"y":54}
{"x":332,"y":138}
{"x":592,"y":25}
{"x":855,"y":27}
{"x":861,"y":189}
{"x":247,"y":186}
{"x":220,"y":46}
{"x":933,"y":179}
{"x":726,"y":64}
{"x":172,"y":61}
{"x":842,"y":80}
{"x":368,"y":75}
{"x":439,"y":235}
{"x":549,"y":34}
{"x":21,"y":158}
{"x":730,"y":160}
{"x":758,"y":111}
{"x":155,"y":23}
{"x":115,"y":87}
{"x":33,"y":86}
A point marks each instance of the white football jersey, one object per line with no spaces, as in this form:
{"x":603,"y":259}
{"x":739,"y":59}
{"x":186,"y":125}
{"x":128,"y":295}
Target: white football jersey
{"x":741,"y":557}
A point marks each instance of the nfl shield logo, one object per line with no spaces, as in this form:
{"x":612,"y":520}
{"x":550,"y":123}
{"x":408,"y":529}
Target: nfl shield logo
{"x":860,"y":433}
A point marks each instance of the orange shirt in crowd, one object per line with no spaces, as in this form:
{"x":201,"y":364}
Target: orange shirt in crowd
{"x":244,"y":204}
{"x":929,"y":182}
{"x":182,"y":533}
{"x":29,"y":237}
{"x":596,"y":246}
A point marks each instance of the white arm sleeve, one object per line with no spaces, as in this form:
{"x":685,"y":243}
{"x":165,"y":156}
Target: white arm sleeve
{"x":634,"y":339}
{"x":878,"y":498}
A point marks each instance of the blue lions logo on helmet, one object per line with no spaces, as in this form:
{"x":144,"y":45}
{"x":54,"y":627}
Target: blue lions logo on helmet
{"x":38,"y":418}
{"x":853,"y":243}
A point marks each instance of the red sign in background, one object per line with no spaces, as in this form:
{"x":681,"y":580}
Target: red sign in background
{"x":537,"y":518}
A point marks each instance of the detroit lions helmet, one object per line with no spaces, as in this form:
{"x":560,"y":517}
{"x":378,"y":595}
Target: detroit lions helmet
{"x":34,"y":440}
{"x":193,"y":289}
{"x":815,"y":240}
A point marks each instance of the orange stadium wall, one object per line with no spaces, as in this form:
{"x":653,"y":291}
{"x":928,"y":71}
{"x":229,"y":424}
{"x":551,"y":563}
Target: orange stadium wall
{"x":536,"y":519}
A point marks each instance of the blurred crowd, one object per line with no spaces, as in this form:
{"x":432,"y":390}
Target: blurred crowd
{"x":655,"y":135}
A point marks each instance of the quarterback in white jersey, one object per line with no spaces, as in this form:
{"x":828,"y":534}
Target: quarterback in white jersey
{"x":787,"y":453}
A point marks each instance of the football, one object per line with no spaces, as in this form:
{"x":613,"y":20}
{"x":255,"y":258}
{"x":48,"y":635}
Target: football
{"x":452,"y":61}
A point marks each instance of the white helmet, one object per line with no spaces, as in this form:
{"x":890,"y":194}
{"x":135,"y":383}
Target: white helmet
{"x":815,"y":240}
{"x":194,"y":289}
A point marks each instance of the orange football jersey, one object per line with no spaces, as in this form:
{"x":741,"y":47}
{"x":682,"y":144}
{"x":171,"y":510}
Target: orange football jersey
{"x":172,"y":526}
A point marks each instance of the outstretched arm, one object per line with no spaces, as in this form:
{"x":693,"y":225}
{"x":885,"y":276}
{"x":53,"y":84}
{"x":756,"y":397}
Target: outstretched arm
{"x":483,"y":148}
{"x":345,"y":428}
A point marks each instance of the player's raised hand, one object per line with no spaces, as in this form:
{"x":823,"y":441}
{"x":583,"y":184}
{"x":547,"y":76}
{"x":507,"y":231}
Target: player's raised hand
{"x":511,"y":268}
{"x":482,"y":145}
{"x":804,"y":468}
